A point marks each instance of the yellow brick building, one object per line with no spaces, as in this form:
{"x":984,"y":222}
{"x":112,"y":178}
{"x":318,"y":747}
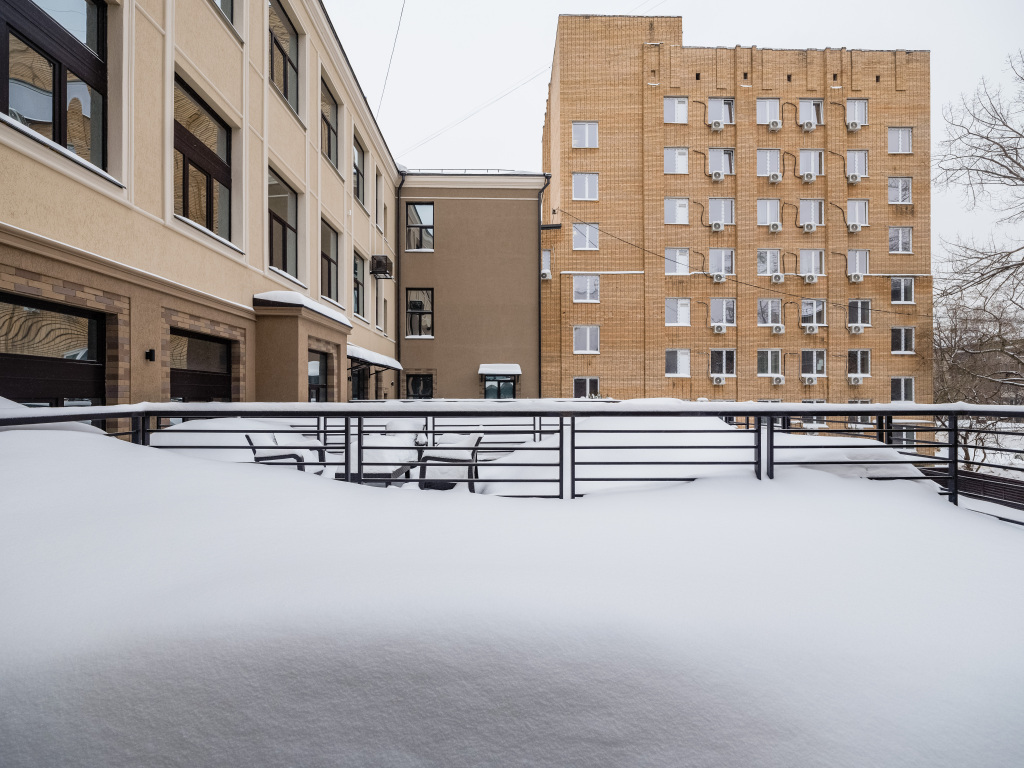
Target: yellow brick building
{"x":734,"y":223}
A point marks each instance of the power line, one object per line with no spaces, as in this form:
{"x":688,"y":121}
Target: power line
{"x":393,"y":46}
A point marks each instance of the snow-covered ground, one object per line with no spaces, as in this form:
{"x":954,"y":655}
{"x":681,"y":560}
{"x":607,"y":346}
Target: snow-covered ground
{"x":163,"y":610}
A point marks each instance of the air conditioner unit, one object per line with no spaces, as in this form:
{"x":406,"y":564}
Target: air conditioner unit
{"x":775,"y":226}
{"x":809,"y":226}
{"x":808,"y":381}
{"x":856,"y":277}
{"x":774,"y":125}
{"x":778,"y":277}
{"x":381,"y":266}
{"x":545,"y":274}
{"x":718,"y":328}
{"x":809,"y":279}
{"x":856,"y":328}
{"x":774,"y":178}
{"x":779,"y":328}
{"x":717,"y":226}
{"x":717,"y":125}
{"x":854,"y":227}
{"x":810,"y":329}
{"x":808,"y":125}
{"x":856,"y":381}
{"x":416,"y":306}
{"x":853,"y":178}
{"x":808,"y":178}
{"x":718,"y":380}
{"x":778,"y":381}
{"x":717,"y":175}
{"x":853,"y":125}
{"x":718,"y":277}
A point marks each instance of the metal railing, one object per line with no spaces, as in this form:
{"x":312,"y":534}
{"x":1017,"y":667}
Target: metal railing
{"x":566,"y":449}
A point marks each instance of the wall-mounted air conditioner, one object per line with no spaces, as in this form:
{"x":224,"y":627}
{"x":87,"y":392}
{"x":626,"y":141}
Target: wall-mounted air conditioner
{"x":856,"y":277}
{"x":810,"y":329}
{"x":808,"y":178}
{"x":774,"y":125}
{"x":717,"y":226}
{"x":810,"y":279}
{"x":718,"y":380}
{"x":778,"y":381}
{"x":718,"y":277}
{"x":854,"y":227}
{"x":774,"y":177}
{"x":852,"y":125}
{"x":809,"y":226}
{"x":717,"y":125}
{"x":856,"y":328}
{"x":808,"y":381}
{"x":545,"y":274}
{"x":808,"y":125}
{"x":717,"y":175}
{"x":856,"y":381}
{"x":718,"y":328}
{"x":853,"y":178}
{"x":775,"y":226}
{"x":778,"y":328}
{"x":778,"y":277}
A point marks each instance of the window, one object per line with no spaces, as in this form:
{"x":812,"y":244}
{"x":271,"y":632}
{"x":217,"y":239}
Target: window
{"x":358,"y":165}
{"x":812,"y":212}
{"x":899,"y":141}
{"x":358,"y":285}
{"x":677,"y":362}
{"x":858,"y":420}
{"x":584,"y":135}
{"x":722,"y":209}
{"x":586,"y":288}
{"x":768,"y":262}
{"x":902,"y":435}
{"x":284,"y":54}
{"x":812,"y":262}
{"x":677,"y":160}
{"x":812,"y":312}
{"x":857,"y":111}
{"x":317,"y":373}
{"x":419,"y":313}
{"x":769,"y":362}
{"x":812,"y":110}
{"x":723,"y":260}
{"x":585,"y":386}
{"x":378,"y":197}
{"x":767,"y":161}
{"x":857,"y":162}
{"x":202,"y":163}
{"x":419,"y":226}
{"x":812,"y":362}
{"x":767,"y":212}
{"x":857,"y":262}
{"x":723,"y":362}
{"x":723,"y":311}
{"x":57,"y":86}
{"x":857,"y":212}
{"x":545,"y":261}
{"x":900,"y":239}
{"x":677,"y":261}
{"x":858,"y":362}
{"x":769,"y":311}
{"x":721,"y":160}
{"x":226,"y":7}
{"x":813,"y":419}
{"x":200,"y":367}
{"x":284,"y":217}
{"x":419,"y":386}
{"x":328,"y":261}
{"x":903,"y":341}
{"x":902,"y":290}
{"x":584,"y":186}
{"x":328,"y":124}
{"x":902,"y":389}
{"x":767,"y":110}
{"x":899,"y":190}
{"x":586,"y":339}
{"x":722,"y":109}
{"x":677,"y":311}
{"x":676,"y":109}
{"x":859,"y":312}
{"x":499,"y":387}
{"x":584,"y":237}
{"x":677,"y":210}
{"x":812,"y":161}
{"x":381,"y":308}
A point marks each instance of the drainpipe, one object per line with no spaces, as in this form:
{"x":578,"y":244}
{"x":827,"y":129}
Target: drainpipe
{"x":540,"y":244}
{"x":399,"y":331}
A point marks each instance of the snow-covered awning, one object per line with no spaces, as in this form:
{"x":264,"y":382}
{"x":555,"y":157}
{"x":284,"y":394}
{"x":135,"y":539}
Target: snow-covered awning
{"x":500,"y":369}
{"x":373,"y":358}
{"x":294,"y":298}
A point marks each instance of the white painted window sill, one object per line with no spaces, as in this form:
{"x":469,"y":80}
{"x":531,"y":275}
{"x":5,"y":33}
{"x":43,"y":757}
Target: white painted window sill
{"x":419,"y":337}
{"x":209,"y":233}
{"x":26,"y":131}
{"x":329,"y":300}
{"x":577,"y":352}
{"x":288,"y":277}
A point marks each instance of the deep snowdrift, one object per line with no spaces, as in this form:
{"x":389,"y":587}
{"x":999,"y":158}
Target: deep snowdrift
{"x":163,"y":610}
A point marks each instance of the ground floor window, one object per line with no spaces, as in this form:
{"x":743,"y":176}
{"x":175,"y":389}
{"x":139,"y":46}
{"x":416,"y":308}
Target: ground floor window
{"x":585,"y":386}
{"x":360,"y":376}
{"x":419,"y":386}
{"x":200,"y":368}
{"x":499,"y":387}
{"x":318,"y":362}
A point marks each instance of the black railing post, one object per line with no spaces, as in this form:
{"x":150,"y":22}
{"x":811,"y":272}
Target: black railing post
{"x":757,"y":447}
{"x":770,"y":444}
{"x":880,"y":428}
{"x":561,"y":457}
{"x":954,"y":458}
{"x":359,"y":454}
{"x":348,"y":449}
{"x":137,"y":422}
{"x":572,"y":457}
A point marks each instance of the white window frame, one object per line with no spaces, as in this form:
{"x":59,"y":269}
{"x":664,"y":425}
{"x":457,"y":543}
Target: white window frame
{"x":681,"y":308}
{"x":673,"y":106}
{"x":902,"y":290}
{"x":590,"y":337}
{"x":855,"y":160}
{"x":858,"y":260}
{"x":722,"y":260}
{"x":901,"y":183}
{"x":726,"y":358}
{"x":722,"y":307}
{"x":903,"y":386}
{"x":587,"y":285}
{"x":767,"y":110}
{"x":819,"y":313}
{"x":857,"y":212}
{"x":586,"y":233}
{"x":905,"y":332}
{"x":545,"y":260}
{"x":769,"y":211}
{"x":720,"y":109}
{"x":863,"y":366}
{"x":770,"y":308}
{"x":584,"y":186}
{"x":584,"y":134}
{"x":677,"y":356}
{"x":857,"y":110}
{"x":722,"y":159}
{"x":816,"y":207}
{"x":588,"y":379}
{"x":817,"y":356}
{"x":674,"y":206}
{"x":812,"y":161}
{"x":774,"y":359}
{"x":677,"y":158}
{"x":861,"y":315}
{"x":812,"y":261}
{"x":677,"y":261}
{"x":769,"y":161}
{"x":813,"y":110}
{"x":904,"y":140}
{"x":766,"y":260}
{"x":910,"y":239}
{"x":728,"y":209}
{"x":907,"y":434}
{"x":813,"y":419}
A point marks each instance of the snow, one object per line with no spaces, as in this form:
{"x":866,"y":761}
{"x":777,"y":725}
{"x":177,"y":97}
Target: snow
{"x":374,"y":358}
{"x":64,"y":426}
{"x":297,"y":299}
{"x":166,"y":610}
{"x":506,"y":369}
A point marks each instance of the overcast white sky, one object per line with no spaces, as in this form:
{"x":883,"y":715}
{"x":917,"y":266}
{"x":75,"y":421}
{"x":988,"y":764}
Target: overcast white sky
{"x":455,"y":55}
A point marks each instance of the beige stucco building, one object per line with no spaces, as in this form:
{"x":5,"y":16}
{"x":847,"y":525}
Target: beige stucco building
{"x":734,"y":223}
{"x":197,"y":204}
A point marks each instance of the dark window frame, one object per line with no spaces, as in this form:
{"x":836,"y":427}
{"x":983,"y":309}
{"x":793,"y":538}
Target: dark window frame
{"x":285,"y":228}
{"x":276,"y":46}
{"x":358,"y":285}
{"x":500,"y":379}
{"x":202,"y":386}
{"x":329,"y":264}
{"x":418,"y":229}
{"x":418,"y":314}
{"x":359,"y":375}
{"x":358,"y":171}
{"x":40,"y":32}
{"x":196,"y":154}
{"x":419,"y":377}
{"x":320,"y":391}
{"x":328,"y":131}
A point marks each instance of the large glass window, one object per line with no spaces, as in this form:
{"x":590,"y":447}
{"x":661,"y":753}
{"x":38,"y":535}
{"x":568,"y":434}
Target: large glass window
{"x":200,"y":368}
{"x":202,"y":163}
{"x":56,"y":72}
{"x":359,"y":285}
{"x":419,"y":227}
{"x":722,"y":209}
{"x":328,"y":261}
{"x":499,"y":387}
{"x":419,"y":312}
{"x":358,"y":171}
{"x":283,"y":204}
{"x":317,"y":376}
{"x":284,"y":54}
{"x":419,"y":386}
{"x":328,"y":124}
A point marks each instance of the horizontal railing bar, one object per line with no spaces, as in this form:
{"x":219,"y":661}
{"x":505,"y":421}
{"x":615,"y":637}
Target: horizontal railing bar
{"x":666,"y":463}
{"x":663,"y":447}
{"x":865,"y":461}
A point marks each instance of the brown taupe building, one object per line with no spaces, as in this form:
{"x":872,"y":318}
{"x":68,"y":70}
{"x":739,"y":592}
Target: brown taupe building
{"x":734,"y":223}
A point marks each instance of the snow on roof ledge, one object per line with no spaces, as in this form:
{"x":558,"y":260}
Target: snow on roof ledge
{"x":505,"y":369}
{"x":374,"y":358}
{"x":297,"y":299}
